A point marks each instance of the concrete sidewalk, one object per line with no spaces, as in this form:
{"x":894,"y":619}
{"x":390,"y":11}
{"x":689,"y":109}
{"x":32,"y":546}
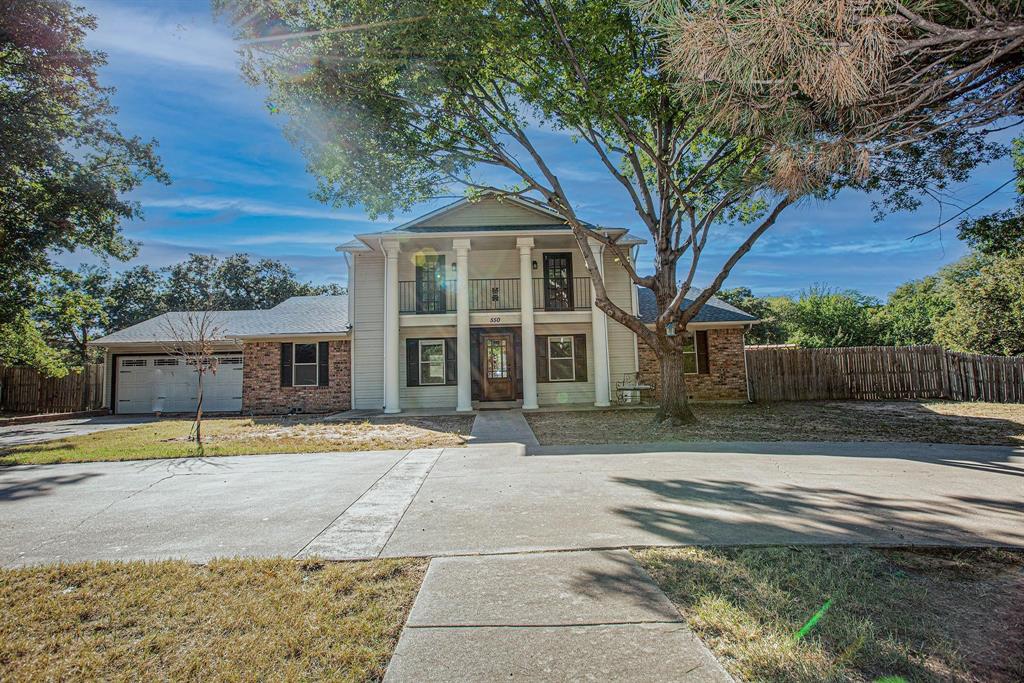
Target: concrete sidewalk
{"x":503,"y":427}
{"x":547,"y":616}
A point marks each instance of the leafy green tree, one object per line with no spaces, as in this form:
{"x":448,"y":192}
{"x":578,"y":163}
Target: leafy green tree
{"x":771,"y":329}
{"x":822,"y":317}
{"x":71,"y":311}
{"x":393,"y":102}
{"x":241,"y":283}
{"x":135,"y":295}
{"x":1000,"y":233}
{"x":908,"y":316}
{"x":22,"y":343}
{"x":64,"y":166}
{"x":987,"y":314}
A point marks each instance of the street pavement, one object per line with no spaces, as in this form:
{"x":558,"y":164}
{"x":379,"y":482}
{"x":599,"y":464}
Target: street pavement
{"x":493,"y":499}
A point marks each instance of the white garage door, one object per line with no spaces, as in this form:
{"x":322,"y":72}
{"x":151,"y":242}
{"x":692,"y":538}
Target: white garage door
{"x":164,"y":384}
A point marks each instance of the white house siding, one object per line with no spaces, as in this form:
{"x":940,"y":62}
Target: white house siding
{"x":368,"y":332}
{"x":490,"y":212}
{"x":443,"y":396}
{"x":561,"y":393}
{"x":621,"y":356}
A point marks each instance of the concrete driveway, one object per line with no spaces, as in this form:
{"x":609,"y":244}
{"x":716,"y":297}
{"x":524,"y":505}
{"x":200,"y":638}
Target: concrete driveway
{"x":16,"y":435}
{"x":488,"y":499}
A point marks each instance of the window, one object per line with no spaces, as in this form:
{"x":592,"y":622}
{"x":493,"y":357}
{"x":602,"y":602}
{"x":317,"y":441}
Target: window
{"x":165,"y":361}
{"x":561,"y":359}
{"x":133,"y":363}
{"x":431,"y":361}
{"x":304,"y":365}
{"x":690,"y":355}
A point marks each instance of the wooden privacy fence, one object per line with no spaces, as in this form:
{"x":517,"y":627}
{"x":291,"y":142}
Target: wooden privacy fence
{"x":24,"y":390}
{"x":882,"y":372}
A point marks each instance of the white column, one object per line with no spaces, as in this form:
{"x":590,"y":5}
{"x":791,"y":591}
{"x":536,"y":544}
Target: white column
{"x":464,"y":372}
{"x":525,"y":245}
{"x":391,"y":401}
{"x":599,"y":326}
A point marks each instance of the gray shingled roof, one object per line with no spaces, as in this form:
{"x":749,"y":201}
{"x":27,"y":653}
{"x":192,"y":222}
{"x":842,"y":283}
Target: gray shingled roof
{"x":297,"y":315}
{"x":714,"y":311}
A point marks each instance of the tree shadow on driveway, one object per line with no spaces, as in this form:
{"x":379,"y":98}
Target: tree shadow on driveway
{"x":725,"y":512}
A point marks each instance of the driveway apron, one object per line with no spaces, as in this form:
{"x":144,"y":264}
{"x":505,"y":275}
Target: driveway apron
{"x":547,"y":616}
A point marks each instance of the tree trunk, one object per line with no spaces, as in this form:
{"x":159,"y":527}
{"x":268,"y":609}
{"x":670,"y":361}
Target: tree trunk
{"x":674,"y":404}
{"x":199,"y":414}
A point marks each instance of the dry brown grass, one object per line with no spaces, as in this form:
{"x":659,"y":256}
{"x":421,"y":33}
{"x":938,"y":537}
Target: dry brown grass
{"x":921,"y":615}
{"x":247,"y":436}
{"x":228,"y":620}
{"x":920,"y":421}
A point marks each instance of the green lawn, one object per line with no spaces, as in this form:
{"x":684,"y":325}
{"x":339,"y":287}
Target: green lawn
{"x":238,"y":620}
{"x":245,"y":436}
{"x":927,"y":615}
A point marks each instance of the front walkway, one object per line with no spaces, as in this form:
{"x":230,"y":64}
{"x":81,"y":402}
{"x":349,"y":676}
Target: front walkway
{"x":503,"y":427}
{"x":548,"y":616}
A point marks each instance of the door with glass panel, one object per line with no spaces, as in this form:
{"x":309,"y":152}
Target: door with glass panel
{"x":430,"y":284}
{"x":558,"y":282}
{"x":498,"y":372}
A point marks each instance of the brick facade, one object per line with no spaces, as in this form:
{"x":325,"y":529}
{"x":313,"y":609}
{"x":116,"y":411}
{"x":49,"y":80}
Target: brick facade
{"x":263,"y":394}
{"x":727,"y":380}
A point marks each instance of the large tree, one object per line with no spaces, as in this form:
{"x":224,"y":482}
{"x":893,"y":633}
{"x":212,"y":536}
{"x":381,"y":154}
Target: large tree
{"x":71,"y":310}
{"x":64,"y":166}
{"x":396,"y":102}
{"x":856,"y":85}
{"x":987,"y":310}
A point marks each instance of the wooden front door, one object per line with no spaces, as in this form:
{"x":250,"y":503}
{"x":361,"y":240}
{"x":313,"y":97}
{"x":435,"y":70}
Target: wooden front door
{"x":498,"y":376}
{"x":558,"y":282}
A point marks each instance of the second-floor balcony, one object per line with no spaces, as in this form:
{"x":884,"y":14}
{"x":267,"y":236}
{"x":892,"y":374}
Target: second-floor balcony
{"x":494,"y":294}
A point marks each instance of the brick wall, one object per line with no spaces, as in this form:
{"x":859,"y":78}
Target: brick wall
{"x":727,"y":380}
{"x":263,"y":394}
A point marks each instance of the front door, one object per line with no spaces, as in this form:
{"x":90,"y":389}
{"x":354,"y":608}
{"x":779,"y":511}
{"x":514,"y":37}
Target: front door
{"x":499,"y":375}
{"x":431,"y":294}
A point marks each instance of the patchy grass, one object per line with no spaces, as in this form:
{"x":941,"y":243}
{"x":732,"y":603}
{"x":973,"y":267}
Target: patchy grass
{"x":245,"y":436}
{"x":923,"y":615}
{"x":922,"y":421}
{"x":228,"y":620}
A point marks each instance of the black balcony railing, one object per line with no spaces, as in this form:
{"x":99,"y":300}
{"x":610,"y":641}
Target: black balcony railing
{"x":561,"y":295}
{"x":426,"y":296}
{"x":493,"y":294}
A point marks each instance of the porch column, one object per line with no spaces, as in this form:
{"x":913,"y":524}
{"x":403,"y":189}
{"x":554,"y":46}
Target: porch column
{"x":464,"y":371}
{"x":391,"y":361}
{"x":599,"y":326}
{"x":525,"y":245}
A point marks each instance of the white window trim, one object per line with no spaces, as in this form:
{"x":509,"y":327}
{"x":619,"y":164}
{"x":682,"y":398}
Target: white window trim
{"x":572,"y":345}
{"x":420,"y":362}
{"x":696,"y":356}
{"x":315,"y":364}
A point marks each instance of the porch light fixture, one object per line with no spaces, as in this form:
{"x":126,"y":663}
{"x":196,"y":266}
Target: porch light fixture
{"x":535,"y":265}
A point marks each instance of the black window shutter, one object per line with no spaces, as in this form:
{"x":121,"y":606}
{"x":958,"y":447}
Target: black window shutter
{"x":412,"y":362}
{"x":451,"y":362}
{"x":703,"y":368}
{"x":474,"y":362}
{"x":580,"y":351}
{"x":322,"y":358}
{"x":286,"y":365}
{"x":542,"y":358}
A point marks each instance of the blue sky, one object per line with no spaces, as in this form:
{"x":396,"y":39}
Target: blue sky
{"x":239,"y":186}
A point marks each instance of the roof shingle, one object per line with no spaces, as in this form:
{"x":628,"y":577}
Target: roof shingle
{"x":714,"y":311}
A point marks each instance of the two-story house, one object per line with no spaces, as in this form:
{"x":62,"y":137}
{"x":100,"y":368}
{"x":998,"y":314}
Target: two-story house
{"x":480,"y":302}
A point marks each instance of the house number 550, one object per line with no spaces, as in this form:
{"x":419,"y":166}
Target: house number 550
{"x":495,"y":320}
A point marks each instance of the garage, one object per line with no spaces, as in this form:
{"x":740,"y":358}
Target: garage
{"x":166,"y":384}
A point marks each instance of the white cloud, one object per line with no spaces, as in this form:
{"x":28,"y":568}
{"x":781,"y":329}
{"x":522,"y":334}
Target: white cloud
{"x":252,"y":208}
{"x":189,"y":41}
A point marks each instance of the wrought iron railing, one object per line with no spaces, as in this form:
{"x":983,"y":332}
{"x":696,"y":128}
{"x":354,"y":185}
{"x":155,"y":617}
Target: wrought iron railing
{"x":493,"y":294}
{"x":561,"y":294}
{"x":426,"y":296}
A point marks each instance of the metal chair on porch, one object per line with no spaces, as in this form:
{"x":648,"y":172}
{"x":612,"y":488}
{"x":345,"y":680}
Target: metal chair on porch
{"x":632,"y":389}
